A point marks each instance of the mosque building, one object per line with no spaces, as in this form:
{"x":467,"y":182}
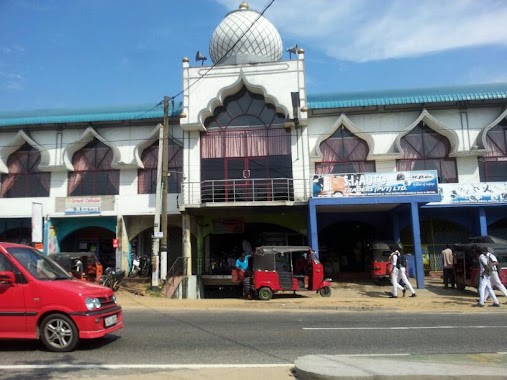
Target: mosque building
{"x":252,"y":155}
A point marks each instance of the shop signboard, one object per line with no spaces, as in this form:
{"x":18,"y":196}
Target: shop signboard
{"x":83,"y":205}
{"x":473,"y":193}
{"x":376,"y":184}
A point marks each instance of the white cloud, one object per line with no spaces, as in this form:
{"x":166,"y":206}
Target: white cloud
{"x":367,"y":30}
{"x":11,"y":81}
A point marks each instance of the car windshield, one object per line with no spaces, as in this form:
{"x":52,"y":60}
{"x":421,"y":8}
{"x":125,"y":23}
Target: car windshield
{"x":40,"y":266}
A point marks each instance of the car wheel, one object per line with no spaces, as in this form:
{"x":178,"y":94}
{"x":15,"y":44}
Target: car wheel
{"x":59,"y":333}
{"x":265,"y":294}
{"x":325,"y":291}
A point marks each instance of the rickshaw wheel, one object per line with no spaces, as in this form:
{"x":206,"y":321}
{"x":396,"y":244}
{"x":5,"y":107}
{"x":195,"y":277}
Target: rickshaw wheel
{"x":460,"y":286}
{"x":265,"y":294}
{"x":325,"y":291}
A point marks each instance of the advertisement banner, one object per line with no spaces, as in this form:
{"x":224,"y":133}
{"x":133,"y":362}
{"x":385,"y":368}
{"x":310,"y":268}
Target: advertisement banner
{"x":85,"y":205}
{"x":484,"y":192}
{"x":376,"y":184}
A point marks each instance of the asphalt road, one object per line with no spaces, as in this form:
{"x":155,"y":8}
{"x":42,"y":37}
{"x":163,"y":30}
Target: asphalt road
{"x":153,"y":339}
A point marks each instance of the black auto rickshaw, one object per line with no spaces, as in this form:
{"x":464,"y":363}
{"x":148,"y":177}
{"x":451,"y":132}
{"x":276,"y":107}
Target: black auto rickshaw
{"x":81,"y":265}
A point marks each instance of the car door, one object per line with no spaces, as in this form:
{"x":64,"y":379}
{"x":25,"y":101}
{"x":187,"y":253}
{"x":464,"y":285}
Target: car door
{"x":12,"y":303}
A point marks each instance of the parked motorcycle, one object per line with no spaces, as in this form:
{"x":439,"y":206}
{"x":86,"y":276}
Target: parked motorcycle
{"x":140,"y":266}
{"x":112,"y":278}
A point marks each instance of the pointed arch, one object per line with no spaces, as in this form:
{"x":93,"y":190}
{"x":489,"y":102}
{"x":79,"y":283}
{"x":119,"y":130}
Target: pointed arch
{"x":91,"y":159}
{"x":343,"y":120}
{"x":225,"y":92}
{"x":428,"y":119}
{"x":423,"y":147}
{"x":17,"y":142}
{"x":23,"y":176}
{"x":493,"y":163}
{"x":86,"y":137}
{"x":482,"y":138}
{"x":146,"y":154}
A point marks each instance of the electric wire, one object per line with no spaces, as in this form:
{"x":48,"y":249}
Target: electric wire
{"x":214,"y":64}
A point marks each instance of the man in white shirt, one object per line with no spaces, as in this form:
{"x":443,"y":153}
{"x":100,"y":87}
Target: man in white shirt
{"x":395,"y":272}
{"x":495,"y":273}
{"x":484,"y":280}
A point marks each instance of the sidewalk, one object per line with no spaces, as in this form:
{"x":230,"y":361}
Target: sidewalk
{"x":347,"y":297}
{"x":344,"y":297}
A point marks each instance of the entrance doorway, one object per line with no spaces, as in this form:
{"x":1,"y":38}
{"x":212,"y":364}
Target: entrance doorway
{"x":342,"y":247}
{"x":92,"y":239}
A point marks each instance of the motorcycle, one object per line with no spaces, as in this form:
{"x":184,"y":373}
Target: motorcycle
{"x":140,"y":266}
{"x":112,"y":278}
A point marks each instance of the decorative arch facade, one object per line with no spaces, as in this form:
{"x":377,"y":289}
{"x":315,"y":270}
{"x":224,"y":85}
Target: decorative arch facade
{"x":423,"y":148}
{"x":246,"y":150}
{"x":93,"y":173}
{"x":344,"y":152}
{"x":24,"y":179}
{"x":493,"y":165}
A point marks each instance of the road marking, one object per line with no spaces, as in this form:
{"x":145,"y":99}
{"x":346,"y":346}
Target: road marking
{"x":403,"y":328}
{"x":142,"y":366}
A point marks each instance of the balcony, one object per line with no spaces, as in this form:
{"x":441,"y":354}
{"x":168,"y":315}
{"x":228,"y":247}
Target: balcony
{"x":260,"y":191}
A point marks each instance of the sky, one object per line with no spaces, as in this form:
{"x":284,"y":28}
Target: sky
{"x":98,"y":53}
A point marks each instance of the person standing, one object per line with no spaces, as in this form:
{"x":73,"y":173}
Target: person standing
{"x":393,"y":260}
{"x":495,"y":273}
{"x":484,"y":280}
{"x":402,"y":263}
{"x":448,"y":265}
{"x":316,"y":186}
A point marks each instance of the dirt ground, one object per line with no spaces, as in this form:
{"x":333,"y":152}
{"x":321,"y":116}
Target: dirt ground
{"x":344,"y":297}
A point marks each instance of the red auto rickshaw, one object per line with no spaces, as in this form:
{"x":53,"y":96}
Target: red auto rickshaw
{"x":378,"y":254}
{"x":466,"y":260}
{"x":287,"y":268}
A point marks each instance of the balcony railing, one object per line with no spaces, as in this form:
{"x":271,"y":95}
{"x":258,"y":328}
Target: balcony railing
{"x":244,"y":190}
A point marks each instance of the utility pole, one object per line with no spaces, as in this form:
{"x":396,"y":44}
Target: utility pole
{"x":165,"y":159}
{"x":158,"y":205}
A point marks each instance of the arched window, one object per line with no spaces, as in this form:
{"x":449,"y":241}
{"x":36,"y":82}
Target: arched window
{"x":344,"y":152}
{"x":92,"y":173}
{"x":24,"y":178}
{"x":493,"y":165}
{"x":246,"y":141}
{"x":425,"y":149}
{"x":147,"y":179}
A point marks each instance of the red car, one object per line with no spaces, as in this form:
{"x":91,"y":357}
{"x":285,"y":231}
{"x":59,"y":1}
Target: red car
{"x":40,"y":300}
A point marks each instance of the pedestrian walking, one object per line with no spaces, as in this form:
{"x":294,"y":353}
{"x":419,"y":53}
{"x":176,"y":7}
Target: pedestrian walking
{"x":448,"y":267}
{"x":395,"y":270}
{"x":485,"y":280}
{"x":495,"y":268}
{"x":402,"y":265}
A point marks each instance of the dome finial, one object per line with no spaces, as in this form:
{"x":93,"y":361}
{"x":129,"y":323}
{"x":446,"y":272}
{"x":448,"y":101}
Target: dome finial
{"x":243,"y":5}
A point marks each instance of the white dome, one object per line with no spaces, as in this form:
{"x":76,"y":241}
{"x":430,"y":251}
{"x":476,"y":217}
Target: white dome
{"x":260,"y":43}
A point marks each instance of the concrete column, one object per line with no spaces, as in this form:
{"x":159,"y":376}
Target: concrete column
{"x":313,"y":232}
{"x":483,"y":222}
{"x":416,"y":234}
{"x":187,"y":244}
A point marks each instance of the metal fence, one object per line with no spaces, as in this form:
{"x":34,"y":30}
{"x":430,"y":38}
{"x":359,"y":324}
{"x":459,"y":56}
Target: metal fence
{"x":245,"y":190}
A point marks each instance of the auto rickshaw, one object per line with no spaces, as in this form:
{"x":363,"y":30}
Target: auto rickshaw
{"x":466,"y":260}
{"x":81,"y":265}
{"x":287,"y":268}
{"x":378,"y":254}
